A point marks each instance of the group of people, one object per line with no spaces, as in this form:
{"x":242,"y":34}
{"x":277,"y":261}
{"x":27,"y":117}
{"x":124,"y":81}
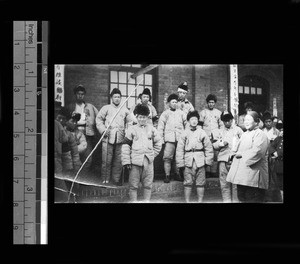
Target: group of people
{"x":248,"y":155}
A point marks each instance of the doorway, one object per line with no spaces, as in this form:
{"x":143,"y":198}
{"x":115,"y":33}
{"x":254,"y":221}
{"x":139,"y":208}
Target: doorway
{"x":255,"y":89}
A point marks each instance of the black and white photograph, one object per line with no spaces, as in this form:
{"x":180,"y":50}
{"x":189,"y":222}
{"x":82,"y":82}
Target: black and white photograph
{"x":198,"y":133}
{"x":149,"y":131}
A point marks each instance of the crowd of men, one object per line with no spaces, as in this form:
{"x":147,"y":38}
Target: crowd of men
{"x":194,"y":143}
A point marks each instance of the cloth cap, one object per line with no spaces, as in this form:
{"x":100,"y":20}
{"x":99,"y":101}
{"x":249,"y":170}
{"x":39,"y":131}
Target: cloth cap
{"x":266,"y":116}
{"x":226,"y":116}
{"x":141,"y":110}
{"x":146,"y":91}
{"x":211,"y":97}
{"x":78,"y":88}
{"x":172,"y":97}
{"x":183,"y":86}
{"x":115,"y":91}
{"x":193,"y":113}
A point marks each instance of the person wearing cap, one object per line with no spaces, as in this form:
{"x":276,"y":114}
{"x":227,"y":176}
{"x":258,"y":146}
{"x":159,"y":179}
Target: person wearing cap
{"x":210,"y":119}
{"x":183,"y":103}
{"x":272,"y":194}
{"x":225,"y":140}
{"x":248,"y":106}
{"x":78,"y":134}
{"x":145,"y":99}
{"x":87,"y":123}
{"x":112,"y":142}
{"x":170,"y":126}
{"x":194,"y":152}
{"x":141,"y":145}
{"x":60,"y":137}
{"x":70,"y":155}
{"x":268,"y":128}
{"x":276,"y":153}
{"x":249,"y":168}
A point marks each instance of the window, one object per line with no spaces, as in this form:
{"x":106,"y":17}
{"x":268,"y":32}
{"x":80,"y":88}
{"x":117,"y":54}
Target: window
{"x":259,"y":91}
{"x":246,"y":90}
{"x":120,"y":78}
{"x":241,"y":89}
{"x":250,"y":90}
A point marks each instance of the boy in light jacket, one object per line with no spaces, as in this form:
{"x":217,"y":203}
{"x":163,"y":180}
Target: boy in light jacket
{"x":141,"y":145}
{"x":170,"y":126}
{"x":226,"y":139}
{"x":194,"y":152}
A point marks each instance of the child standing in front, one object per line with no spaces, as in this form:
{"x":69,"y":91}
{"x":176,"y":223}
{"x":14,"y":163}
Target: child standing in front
{"x":141,"y":145}
{"x":194,"y":153}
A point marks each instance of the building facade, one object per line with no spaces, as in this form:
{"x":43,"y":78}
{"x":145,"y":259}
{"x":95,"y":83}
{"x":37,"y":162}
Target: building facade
{"x":261,"y":84}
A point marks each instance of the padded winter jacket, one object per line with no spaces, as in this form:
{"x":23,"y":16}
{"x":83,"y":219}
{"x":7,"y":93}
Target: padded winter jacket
{"x":140,"y":141}
{"x":194,"y":144}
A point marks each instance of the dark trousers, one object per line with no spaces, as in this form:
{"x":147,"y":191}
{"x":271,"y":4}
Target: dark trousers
{"x":247,"y":194}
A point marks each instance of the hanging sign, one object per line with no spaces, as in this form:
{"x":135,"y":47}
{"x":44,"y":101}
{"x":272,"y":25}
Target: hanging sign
{"x":59,"y":84}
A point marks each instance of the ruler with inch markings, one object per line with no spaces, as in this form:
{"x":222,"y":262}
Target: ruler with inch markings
{"x":30,"y":42}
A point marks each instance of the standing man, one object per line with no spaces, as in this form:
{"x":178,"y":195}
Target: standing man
{"x":183,"y":103}
{"x":272,"y":194}
{"x":226,"y":140}
{"x":112,"y":141}
{"x":86,"y":124}
{"x":170,"y":126}
{"x":145,"y":99}
{"x":269,"y":129}
{"x":210,"y":119}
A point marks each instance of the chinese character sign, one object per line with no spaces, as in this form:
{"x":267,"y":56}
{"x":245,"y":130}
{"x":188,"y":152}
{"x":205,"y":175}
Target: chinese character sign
{"x":234,"y":93}
{"x":59,"y":84}
{"x":274,"y":106}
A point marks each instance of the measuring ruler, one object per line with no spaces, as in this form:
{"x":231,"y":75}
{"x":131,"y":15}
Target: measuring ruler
{"x":30,"y":132}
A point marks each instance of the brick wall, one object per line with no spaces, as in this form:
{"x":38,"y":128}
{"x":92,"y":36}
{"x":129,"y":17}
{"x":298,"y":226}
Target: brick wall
{"x":202,"y":80}
{"x":211,"y":79}
{"x":95,"y":78}
{"x":273,"y":74}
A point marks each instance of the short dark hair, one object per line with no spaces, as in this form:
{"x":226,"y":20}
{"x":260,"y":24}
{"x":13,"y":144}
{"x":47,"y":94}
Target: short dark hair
{"x":76,"y":116}
{"x":211,"y":97}
{"x":141,"y":110}
{"x":193,"y":114}
{"x":248,"y":105}
{"x":172,"y":97}
{"x":226,"y":116}
{"x":115,"y":91}
{"x":78,"y":88}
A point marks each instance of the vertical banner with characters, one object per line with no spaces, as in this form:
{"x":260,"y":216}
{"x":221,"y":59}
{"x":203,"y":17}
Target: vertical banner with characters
{"x":274,"y":106}
{"x":234,"y":92}
{"x":59,"y":84}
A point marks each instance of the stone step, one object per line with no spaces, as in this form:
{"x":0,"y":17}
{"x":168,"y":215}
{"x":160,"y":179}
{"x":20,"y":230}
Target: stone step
{"x":161,"y":192}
